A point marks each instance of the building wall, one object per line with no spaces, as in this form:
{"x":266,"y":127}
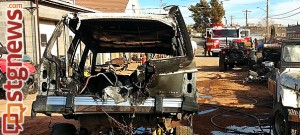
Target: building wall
{"x":280,"y":31}
{"x":293,"y":32}
{"x":133,"y":7}
{"x":29,"y":25}
{"x":49,"y":16}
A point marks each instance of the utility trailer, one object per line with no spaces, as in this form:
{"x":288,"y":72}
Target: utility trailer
{"x":110,"y":102}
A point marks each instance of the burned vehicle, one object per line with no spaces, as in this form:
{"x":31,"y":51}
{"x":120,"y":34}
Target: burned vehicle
{"x":236,"y":53}
{"x":152,"y":95}
{"x":265,"y":65}
{"x":283,"y":85}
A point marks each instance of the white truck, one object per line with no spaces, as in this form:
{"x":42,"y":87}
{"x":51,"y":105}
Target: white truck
{"x":284,"y":86}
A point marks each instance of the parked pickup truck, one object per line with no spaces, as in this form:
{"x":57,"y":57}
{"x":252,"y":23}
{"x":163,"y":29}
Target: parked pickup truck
{"x":108,"y":101}
{"x":235,"y":54}
{"x":284,"y":85}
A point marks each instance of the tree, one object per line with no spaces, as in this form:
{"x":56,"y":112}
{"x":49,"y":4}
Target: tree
{"x":217,"y":12}
{"x":207,"y":14}
{"x":201,"y":15}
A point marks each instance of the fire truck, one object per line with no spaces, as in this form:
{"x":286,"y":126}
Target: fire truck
{"x":219,"y":37}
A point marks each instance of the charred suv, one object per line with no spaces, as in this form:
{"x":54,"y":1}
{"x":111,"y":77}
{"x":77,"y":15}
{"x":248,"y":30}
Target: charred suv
{"x":284,"y":85}
{"x":235,"y":54}
{"x":151,"y":95}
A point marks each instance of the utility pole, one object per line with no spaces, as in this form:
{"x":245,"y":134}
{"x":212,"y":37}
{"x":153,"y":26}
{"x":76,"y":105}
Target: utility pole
{"x":267,"y":20}
{"x":247,"y":17}
{"x":231,"y":17}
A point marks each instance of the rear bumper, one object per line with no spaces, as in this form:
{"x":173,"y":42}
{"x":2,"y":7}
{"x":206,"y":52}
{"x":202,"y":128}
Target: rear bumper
{"x":216,"y":50}
{"x":244,"y":61}
{"x":86,"y":105}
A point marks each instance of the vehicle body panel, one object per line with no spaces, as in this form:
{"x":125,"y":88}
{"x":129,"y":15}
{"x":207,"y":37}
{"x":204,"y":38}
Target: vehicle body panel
{"x":167,"y":85}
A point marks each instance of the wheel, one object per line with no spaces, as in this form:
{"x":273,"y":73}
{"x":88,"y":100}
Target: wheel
{"x":215,"y":54}
{"x":281,"y":125}
{"x":280,"y":120}
{"x":251,"y":64}
{"x":83,"y":131}
{"x":184,"y":130}
{"x":231,"y":66}
{"x":222,"y":66}
{"x":63,"y":129}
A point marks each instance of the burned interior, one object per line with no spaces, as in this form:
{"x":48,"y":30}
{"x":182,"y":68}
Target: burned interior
{"x":154,"y":34}
{"x":163,"y":85}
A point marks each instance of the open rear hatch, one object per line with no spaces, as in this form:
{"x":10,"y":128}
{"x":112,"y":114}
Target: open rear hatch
{"x":125,"y":33}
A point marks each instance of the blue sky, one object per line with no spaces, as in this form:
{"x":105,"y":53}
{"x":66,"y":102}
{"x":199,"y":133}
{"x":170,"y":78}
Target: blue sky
{"x":235,"y":8}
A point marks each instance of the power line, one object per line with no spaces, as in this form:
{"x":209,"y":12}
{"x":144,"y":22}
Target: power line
{"x":287,"y":16}
{"x":286,"y":12}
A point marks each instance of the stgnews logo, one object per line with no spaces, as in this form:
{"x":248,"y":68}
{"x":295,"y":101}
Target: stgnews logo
{"x":16,"y":74}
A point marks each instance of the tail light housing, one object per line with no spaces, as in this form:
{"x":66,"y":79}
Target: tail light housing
{"x":248,"y":52}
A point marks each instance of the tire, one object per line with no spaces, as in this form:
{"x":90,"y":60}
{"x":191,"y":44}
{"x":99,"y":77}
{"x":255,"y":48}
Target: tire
{"x":63,"y":129}
{"x":83,"y":131}
{"x":222,"y":66}
{"x":184,"y":130}
{"x":281,"y":125}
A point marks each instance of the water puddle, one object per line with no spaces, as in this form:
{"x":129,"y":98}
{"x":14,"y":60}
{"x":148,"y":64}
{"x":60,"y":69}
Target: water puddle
{"x":206,"y":111}
{"x":213,"y":103}
{"x":206,"y":96}
{"x":245,"y":130}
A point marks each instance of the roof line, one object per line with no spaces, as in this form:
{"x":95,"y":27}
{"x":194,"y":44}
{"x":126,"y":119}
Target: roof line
{"x":69,"y":5}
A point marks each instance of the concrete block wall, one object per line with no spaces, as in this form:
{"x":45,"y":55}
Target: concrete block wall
{"x":28,"y":30}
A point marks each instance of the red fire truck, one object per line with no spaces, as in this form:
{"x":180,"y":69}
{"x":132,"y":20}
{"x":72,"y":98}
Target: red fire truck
{"x":219,"y":37}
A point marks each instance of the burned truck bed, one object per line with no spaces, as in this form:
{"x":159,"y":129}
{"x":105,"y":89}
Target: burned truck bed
{"x":156,"y":89}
